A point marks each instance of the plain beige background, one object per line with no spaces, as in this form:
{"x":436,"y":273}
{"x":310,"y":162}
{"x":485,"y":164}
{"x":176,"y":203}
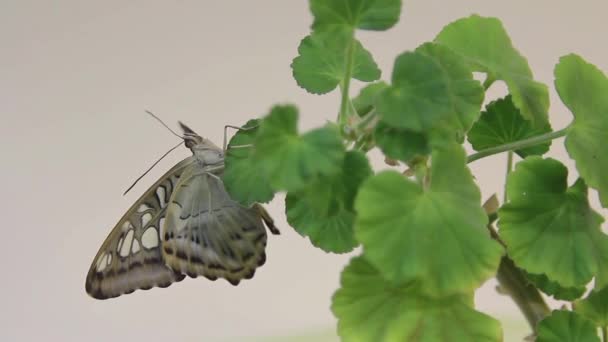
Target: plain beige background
{"x":75,"y":77}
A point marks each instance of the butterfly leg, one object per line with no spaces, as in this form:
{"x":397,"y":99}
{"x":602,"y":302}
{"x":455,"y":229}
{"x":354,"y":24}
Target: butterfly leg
{"x":267,"y":219}
{"x":238,"y":129}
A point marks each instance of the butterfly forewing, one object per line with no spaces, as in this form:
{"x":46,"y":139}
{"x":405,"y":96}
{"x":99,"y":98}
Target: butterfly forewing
{"x":209,"y":234}
{"x":130,"y":257}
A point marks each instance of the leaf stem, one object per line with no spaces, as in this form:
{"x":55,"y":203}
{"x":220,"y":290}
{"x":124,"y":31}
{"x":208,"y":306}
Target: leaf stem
{"x":488,"y":82}
{"x":604,"y":334}
{"x":345,"y":110}
{"x":367,"y":122}
{"x":518,"y":145}
{"x":509,"y":168}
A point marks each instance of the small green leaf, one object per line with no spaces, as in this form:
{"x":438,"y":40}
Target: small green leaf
{"x":324,"y":211}
{"x":291,"y":161}
{"x":418,"y":97}
{"x":566,"y":326}
{"x":552,"y":288}
{"x":401,"y":144}
{"x":465,"y":93}
{"x":595,"y":307}
{"x":244,"y":178}
{"x":321,"y":63}
{"x":501,"y":123}
{"x":410,"y":232}
{"x":366,"y":100}
{"x":550,"y":228}
{"x":364,"y":14}
{"x":583,"y":88}
{"x":369,"y":308}
{"x":486,"y":46}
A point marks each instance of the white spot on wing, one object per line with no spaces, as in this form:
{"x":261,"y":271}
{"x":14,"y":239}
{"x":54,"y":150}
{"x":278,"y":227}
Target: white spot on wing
{"x":143,"y":207}
{"x":161,"y":226}
{"x":160,"y":192}
{"x":150,"y":238}
{"x":145,"y":218}
{"x":109,"y":259}
{"x":126,"y":246}
{"x":119,"y":246}
{"x":102,"y":263}
{"x":135,"y":247}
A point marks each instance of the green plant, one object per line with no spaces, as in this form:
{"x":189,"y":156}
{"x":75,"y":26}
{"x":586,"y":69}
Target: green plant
{"x":428,"y":242}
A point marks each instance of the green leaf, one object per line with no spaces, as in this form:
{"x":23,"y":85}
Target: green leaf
{"x":418,"y":97}
{"x":369,"y":309}
{"x":401,"y":144}
{"x":244,"y":178}
{"x":366,"y":100}
{"x":566,"y":326}
{"x":501,"y":123}
{"x":486,"y":46}
{"x":435,"y":234}
{"x":362,"y":14}
{"x":324,"y":211}
{"x":321,"y":63}
{"x":291,"y":161}
{"x":595,"y":307}
{"x":552,"y":288}
{"x":583,"y":88}
{"x":550,"y":228}
{"x":465,"y":93}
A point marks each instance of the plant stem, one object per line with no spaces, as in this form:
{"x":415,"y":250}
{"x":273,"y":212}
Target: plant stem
{"x":518,"y":145}
{"x":345,"y":111}
{"x":488,"y":82}
{"x":604,"y":334}
{"x":527,"y":297}
{"x":509,"y":168}
{"x":367,"y":122}
{"x":513,"y":282}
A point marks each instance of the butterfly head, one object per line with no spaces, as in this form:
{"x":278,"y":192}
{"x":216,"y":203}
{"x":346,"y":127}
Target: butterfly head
{"x":204,"y":149}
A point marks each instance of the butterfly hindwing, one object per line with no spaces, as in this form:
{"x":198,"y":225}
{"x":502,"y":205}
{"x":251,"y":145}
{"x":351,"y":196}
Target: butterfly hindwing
{"x":207,"y":233}
{"x":130,"y":257}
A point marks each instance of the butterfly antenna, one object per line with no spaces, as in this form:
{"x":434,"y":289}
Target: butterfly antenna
{"x":164,"y":124}
{"x":153,"y":165}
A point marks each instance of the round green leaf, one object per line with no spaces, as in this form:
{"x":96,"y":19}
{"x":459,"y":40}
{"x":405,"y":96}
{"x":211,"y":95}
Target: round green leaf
{"x":291,"y":161}
{"x":465,"y":93}
{"x":434,"y":234}
{"x":401,"y":144}
{"x":485,"y":46}
{"x":595,"y":307}
{"x":363,"y":14}
{"x":369,"y":309}
{"x":583,"y":88}
{"x":552,"y":288}
{"x":321,"y":63}
{"x":366,"y":100}
{"x":566,"y":326}
{"x":501,"y":123}
{"x":324,"y":211}
{"x":551,"y":229}
{"x":418,"y":97}
{"x":244,"y":178}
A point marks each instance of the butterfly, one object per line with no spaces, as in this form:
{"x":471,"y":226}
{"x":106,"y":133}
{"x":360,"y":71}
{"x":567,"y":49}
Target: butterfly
{"x":184,"y":224}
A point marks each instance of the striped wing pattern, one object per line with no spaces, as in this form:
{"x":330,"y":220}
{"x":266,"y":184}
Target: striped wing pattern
{"x":131,"y":258}
{"x":208,"y":234}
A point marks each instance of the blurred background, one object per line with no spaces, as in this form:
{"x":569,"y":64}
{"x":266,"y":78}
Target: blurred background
{"x":75,"y":78}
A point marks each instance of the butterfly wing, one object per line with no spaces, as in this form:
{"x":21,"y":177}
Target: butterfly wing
{"x":207,"y":233}
{"x":130,"y":258}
